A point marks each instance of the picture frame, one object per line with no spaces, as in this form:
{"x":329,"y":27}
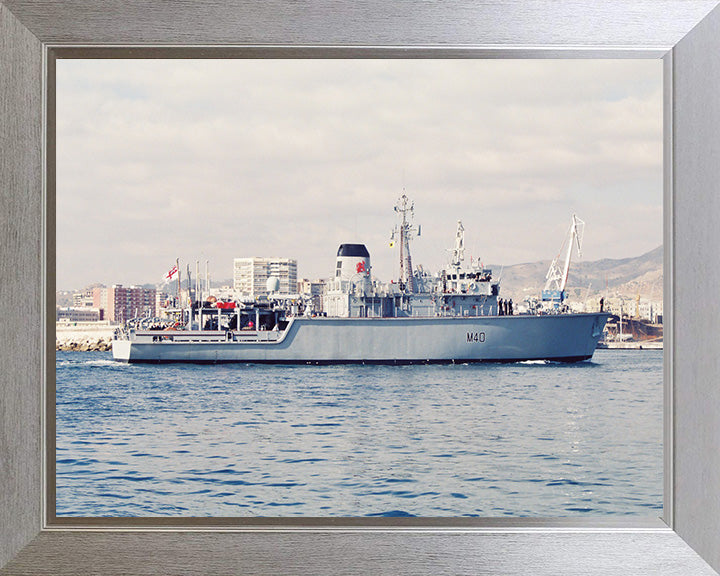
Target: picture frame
{"x":684,"y":33}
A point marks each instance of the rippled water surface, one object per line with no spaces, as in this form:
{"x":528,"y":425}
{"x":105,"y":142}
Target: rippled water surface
{"x":525,"y":439}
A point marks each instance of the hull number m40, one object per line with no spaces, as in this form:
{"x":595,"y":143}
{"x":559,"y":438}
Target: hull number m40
{"x":476,"y":336}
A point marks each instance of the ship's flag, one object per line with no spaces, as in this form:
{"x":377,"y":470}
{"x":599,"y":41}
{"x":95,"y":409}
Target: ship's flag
{"x":171,"y":274}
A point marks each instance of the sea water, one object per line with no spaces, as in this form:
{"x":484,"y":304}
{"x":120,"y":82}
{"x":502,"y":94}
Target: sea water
{"x":524,"y":439}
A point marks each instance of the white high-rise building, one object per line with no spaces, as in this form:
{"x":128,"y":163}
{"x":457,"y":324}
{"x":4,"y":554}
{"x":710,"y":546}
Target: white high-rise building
{"x":250,"y":275}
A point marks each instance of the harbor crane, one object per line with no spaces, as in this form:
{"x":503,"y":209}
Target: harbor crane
{"x":556,"y":278}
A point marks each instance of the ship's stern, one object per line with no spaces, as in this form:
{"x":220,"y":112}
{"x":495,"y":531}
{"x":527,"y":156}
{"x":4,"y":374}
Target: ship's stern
{"x":121,"y":350}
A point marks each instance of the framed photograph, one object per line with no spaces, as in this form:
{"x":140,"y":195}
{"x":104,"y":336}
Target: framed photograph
{"x":439,"y":358}
{"x":326,"y":545}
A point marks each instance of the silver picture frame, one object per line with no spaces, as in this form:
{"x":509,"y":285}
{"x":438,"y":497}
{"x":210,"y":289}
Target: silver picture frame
{"x":684,"y":33}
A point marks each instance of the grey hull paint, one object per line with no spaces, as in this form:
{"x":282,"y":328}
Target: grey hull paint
{"x":567,"y":337}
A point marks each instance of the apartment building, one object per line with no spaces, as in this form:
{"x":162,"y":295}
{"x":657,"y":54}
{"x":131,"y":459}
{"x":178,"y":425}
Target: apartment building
{"x":123,"y":303}
{"x":250,"y":276}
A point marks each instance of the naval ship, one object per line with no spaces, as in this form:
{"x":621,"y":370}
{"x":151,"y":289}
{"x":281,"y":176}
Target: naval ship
{"x":454,"y":316}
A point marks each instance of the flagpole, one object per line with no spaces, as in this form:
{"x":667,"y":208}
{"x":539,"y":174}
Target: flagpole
{"x":198,"y":295}
{"x":189,"y":282}
{"x":177,"y":264}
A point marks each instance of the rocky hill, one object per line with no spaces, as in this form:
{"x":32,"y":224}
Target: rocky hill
{"x":628,"y":277}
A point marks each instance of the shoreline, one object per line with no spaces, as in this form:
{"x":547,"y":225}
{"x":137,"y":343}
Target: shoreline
{"x":630,"y":346}
{"x":84,"y":336}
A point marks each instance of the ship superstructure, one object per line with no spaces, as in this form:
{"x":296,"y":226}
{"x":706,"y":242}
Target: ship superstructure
{"x":457,"y":290}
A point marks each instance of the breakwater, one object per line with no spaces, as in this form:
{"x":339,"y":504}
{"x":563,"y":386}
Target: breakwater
{"x":84,"y":344}
{"x":83,"y":337}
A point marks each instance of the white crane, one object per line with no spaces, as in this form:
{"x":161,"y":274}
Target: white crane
{"x":458,"y":253}
{"x":556,"y":278}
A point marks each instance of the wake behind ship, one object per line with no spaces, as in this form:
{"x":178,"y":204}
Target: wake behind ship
{"x":456,"y":315}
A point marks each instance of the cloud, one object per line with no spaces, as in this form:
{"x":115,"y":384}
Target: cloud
{"x":220,"y":159}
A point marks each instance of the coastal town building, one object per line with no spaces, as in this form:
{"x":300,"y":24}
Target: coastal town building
{"x":250,"y":276}
{"x":642,"y":308}
{"x":123,"y":303}
{"x":79,"y":314}
{"x":84,"y":297}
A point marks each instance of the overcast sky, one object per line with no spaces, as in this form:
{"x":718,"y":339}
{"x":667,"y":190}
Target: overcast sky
{"x":217,"y":159}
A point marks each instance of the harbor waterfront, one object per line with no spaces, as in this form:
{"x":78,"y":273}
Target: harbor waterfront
{"x":521,"y":439}
{"x":84,"y":336}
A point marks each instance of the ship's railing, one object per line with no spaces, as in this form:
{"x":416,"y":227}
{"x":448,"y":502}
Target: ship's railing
{"x":206,"y":336}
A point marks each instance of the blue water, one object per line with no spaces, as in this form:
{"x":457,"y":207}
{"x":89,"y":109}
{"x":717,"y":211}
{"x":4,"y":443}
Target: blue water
{"x":526,"y":439}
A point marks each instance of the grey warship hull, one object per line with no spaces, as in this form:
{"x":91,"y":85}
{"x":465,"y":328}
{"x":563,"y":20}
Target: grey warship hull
{"x":408,"y":340}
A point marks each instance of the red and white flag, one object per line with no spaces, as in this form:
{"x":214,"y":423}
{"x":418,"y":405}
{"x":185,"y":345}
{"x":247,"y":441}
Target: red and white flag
{"x":171,"y":274}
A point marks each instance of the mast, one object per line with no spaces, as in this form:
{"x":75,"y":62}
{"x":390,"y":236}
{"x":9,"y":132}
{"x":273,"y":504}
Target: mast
{"x":182,"y":313}
{"x":189,"y":284}
{"x":198,"y":294}
{"x":406,"y":231}
{"x":458,"y":253}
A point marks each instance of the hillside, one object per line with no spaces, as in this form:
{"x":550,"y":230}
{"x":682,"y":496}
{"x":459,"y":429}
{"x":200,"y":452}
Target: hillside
{"x":628,"y":277}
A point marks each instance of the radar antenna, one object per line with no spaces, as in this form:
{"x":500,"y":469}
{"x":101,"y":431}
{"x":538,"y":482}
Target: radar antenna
{"x":458,"y":253}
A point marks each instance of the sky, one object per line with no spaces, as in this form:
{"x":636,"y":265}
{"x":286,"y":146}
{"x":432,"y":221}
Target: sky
{"x":212,"y":160}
